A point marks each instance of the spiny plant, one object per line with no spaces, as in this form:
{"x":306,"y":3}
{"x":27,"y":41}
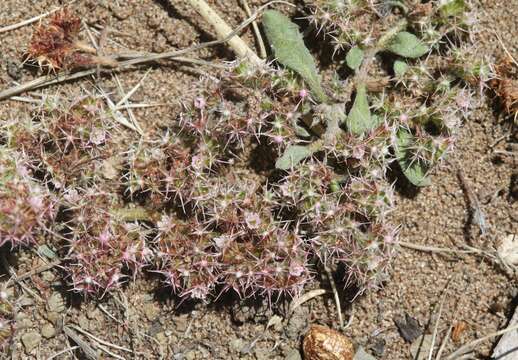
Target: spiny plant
{"x":66,"y":140}
{"x":26,"y":207}
{"x":268,"y":174}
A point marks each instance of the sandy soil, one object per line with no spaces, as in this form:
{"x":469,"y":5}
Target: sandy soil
{"x":151,"y":324}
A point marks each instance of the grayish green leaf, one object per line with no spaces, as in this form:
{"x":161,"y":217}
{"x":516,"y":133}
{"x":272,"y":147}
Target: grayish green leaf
{"x":407,"y":45}
{"x":453,"y":8}
{"x":354,"y":58}
{"x":359,"y":119}
{"x":415,"y":171}
{"x":299,"y":130}
{"x":46,"y":251}
{"x":293,"y":155}
{"x":288,"y":45}
{"x":400,"y":68}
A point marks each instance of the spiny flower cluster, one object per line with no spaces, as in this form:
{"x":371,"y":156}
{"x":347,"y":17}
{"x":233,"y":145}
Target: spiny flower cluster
{"x":102,"y":250}
{"x":357,"y":22}
{"x":198,"y":212}
{"x":26,"y":207}
{"x":505,"y":85}
{"x":254,"y":186}
{"x":66,"y":140}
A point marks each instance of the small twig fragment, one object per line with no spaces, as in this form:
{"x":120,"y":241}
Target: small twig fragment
{"x":223,"y":30}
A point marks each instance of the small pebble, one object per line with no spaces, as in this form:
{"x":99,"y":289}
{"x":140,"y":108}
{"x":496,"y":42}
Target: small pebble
{"x":14,"y":70}
{"x":181,"y":323}
{"x":237,"y":344}
{"x":31,"y":340}
{"x":48,"y":331}
{"x":52,"y":316}
{"x":190,"y":355}
{"x":56,"y":303}
{"x":150,"y":310}
{"x":293,"y":355}
{"x":323,"y":343}
{"x":262,"y":354}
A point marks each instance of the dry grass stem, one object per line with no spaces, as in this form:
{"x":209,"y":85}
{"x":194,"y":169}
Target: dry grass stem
{"x":255,"y":26}
{"x":30,"y":21}
{"x":306,"y":297}
{"x":223,"y":30}
{"x":336,"y":296}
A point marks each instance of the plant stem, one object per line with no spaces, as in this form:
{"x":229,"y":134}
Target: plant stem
{"x":32,"y":20}
{"x":260,"y":42}
{"x":138,"y":213}
{"x":223,"y":30}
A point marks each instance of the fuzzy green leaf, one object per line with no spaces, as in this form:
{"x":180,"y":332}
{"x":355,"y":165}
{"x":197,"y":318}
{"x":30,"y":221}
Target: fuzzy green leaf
{"x":299,"y":130}
{"x":46,"y":251}
{"x":407,"y":45}
{"x":413,"y":170}
{"x":359,"y":119}
{"x":453,"y":8}
{"x":288,"y":45}
{"x":293,"y":155}
{"x":400,"y":68}
{"x":354,"y":58}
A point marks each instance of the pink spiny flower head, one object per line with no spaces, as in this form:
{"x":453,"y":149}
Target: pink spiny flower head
{"x":200,"y":103}
{"x":105,"y":237}
{"x":26,"y":209}
{"x":253,"y":220}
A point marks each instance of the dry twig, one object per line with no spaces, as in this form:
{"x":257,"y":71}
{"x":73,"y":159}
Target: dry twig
{"x":260,"y":42}
{"x":223,"y":30}
{"x":436,"y":325}
{"x":89,"y":352}
{"x":336,"y":296}
{"x":306,"y":297}
{"x":444,"y":343}
{"x":30,"y":21}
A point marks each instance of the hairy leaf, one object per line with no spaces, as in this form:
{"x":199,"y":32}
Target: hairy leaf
{"x":400,"y":68}
{"x":414,"y":171}
{"x":354,"y":58}
{"x":293,"y":155}
{"x":453,"y":8}
{"x":359,"y":119}
{"x":299,"y":130}
{"x":407,"y":45}
{"x":287,"y":43}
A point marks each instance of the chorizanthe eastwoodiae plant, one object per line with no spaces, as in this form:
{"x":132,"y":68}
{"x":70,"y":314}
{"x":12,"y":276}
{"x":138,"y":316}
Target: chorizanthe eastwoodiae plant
{"x":267,"y":175}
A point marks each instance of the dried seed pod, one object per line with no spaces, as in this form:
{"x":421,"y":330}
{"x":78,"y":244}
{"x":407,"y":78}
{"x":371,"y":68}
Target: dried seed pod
{"x":458,"y":329}
{"x":506,"y":85}
{"x":323,"y":343}
{"x":56,"y":45}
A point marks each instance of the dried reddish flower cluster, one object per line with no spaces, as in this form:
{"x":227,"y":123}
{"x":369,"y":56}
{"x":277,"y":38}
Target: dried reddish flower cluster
{"x":56,"y":45}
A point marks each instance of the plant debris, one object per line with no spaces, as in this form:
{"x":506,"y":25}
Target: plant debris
{"x":408,"y":327}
